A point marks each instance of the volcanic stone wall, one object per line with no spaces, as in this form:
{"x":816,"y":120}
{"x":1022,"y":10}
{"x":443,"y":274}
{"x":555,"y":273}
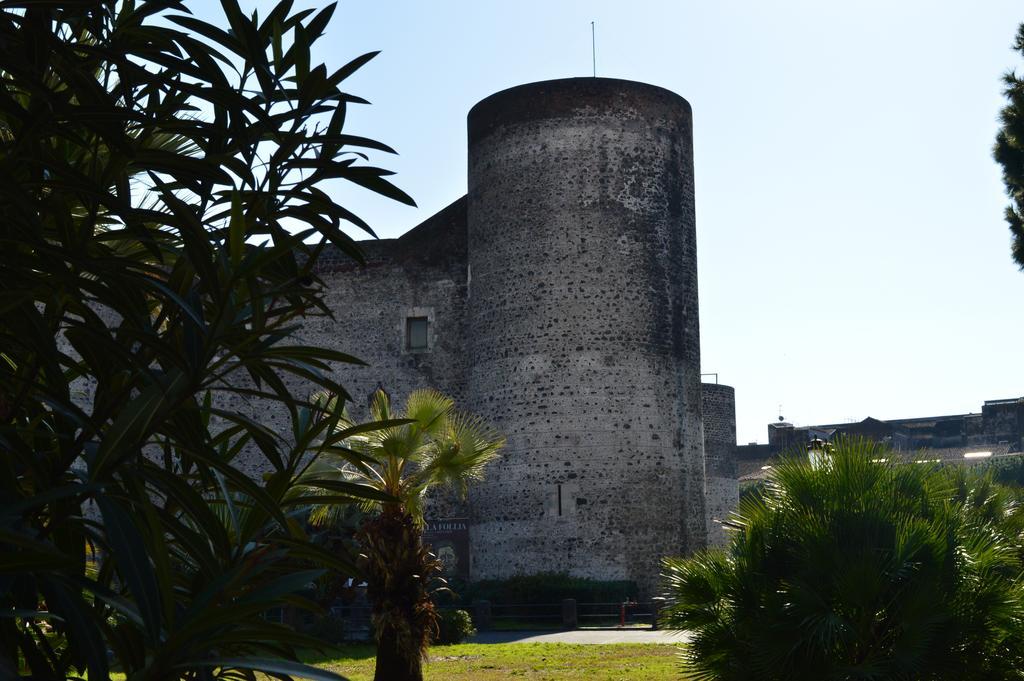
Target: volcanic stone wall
{"x":719,"y":412}
{"x":421,"y":274}
{"x":584,"y":344}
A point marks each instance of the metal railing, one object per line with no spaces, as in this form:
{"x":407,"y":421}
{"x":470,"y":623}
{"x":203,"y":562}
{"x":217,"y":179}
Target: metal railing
{"x":629,"y":613}
{"x":520,"y":615}
{"x":568,"y":614}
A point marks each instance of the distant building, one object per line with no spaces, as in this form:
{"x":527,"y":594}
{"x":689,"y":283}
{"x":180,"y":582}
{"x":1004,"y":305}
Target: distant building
{"x":998,"y":430}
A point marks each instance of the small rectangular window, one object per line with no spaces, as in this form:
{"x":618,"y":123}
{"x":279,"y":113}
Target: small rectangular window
{"x":416,"y":333}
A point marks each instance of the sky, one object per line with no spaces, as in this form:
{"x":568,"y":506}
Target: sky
{"x":852,"y":254}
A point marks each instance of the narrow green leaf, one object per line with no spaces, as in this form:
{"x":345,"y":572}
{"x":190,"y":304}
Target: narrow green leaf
{"x":82,"y":628}
{"x":158,"y":549}
{"x":243,"y":484}
{"x":126,"y":434}
{"x":352,"y":489}
{"x":181,"y":168}
{"x":282,"y":586}
{"x":369,"y":427}
{"x":236,"y":230}
{"x":310,"y":353}
{"x":187,"y":502}
{"x":210,"y":32}
{"x":351,"y":67}
{"x":276,"y":43}
{"x":228,"y":499}
{"x":318,"y":23}
{"x":15,"y":508}
{"x":130,"y":554}
{"x":300,"y":49}
{"x":303,"y":549}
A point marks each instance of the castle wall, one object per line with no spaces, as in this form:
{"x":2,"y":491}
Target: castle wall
{"x":422,"y":274}
{"x":584,"y":346}
{"x":719,"y":413}
{"x":560,"y":298}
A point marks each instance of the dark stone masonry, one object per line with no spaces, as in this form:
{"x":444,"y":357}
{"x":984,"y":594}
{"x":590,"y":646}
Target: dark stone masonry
{"x":559,"y":299}
{"x":719,"y":406}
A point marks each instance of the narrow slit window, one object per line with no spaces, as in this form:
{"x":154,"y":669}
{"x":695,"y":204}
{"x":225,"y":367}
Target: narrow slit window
{"x":559,"y":500}
{"x":416,"y":333}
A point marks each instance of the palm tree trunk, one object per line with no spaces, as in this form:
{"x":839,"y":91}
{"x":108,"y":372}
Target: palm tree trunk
{"x":394,"y":663}
{"x":398,"y":571}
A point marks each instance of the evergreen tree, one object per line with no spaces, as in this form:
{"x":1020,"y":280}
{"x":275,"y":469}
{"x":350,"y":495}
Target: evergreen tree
{"x":1009,"y":153}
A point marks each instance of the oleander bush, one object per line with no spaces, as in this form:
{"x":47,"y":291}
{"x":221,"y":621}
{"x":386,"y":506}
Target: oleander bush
{"x":165,"y":192}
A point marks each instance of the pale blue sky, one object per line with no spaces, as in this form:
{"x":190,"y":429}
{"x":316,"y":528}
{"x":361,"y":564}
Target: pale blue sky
{"x":852,"y":254}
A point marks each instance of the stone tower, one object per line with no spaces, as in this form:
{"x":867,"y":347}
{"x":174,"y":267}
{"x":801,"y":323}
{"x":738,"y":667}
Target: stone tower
{"x":582,"y":329}
{"x":719,"y":411}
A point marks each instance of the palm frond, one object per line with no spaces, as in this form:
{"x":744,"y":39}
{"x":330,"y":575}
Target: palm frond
{"x":856,"y":566}
{"x":461,"y":452}
{"x":430,"y":410}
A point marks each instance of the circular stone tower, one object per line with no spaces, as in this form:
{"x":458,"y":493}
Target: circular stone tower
{"x":719,"y":411}
{"x":584,"y":344}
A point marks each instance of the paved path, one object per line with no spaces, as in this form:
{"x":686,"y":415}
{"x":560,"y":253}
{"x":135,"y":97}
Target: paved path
{"x":580,"y":636}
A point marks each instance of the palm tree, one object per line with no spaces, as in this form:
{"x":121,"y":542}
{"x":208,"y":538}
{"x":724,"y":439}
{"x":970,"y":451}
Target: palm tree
{"x":858,"y":566}
{"x":428,"y":445}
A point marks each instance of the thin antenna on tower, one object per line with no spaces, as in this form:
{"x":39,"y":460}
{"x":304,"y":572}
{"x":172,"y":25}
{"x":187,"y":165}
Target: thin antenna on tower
{"x":593,"y":47}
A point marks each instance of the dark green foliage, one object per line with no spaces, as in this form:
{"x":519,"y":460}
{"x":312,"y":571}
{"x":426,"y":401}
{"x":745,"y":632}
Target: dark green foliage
{"x":327,"y":628}
{"x":1007,"y":471}
{"x":453,"y":626}
{"x":1009,"y":152}
{"x":858,"y":569}
{"x":547,"y":587}
{"x":751,"y":488}
{"x":163,"y":202}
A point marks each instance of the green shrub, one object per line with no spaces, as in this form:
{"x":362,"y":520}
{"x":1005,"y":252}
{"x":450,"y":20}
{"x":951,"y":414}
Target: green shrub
{"x":751,"y":488}
{"x":329,"y":629}
{"x":547,"y":587}
{"x":1006,"y":471}
{"x":453,"y":626}
{"x":858,"y":568}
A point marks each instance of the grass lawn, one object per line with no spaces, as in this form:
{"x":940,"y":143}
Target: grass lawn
{"x":536,"y":661}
